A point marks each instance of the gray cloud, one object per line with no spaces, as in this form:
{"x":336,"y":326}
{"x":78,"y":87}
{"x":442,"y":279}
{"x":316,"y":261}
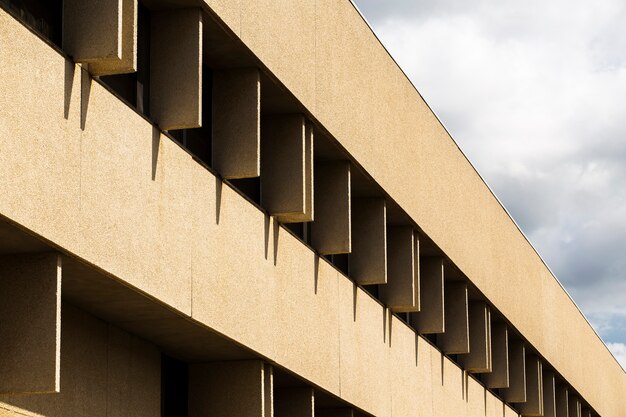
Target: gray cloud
{"x":533,"y":92}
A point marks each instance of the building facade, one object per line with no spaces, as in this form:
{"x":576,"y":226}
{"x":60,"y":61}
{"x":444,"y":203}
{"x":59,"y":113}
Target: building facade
{"x":244,"y":208}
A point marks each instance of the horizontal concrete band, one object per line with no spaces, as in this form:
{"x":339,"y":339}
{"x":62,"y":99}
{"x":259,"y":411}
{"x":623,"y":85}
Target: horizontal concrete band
{"x":327,"y":56}
{"x":85,"y":172}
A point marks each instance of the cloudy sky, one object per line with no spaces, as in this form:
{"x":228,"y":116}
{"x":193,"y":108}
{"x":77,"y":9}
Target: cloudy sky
{"x":534,"y":93}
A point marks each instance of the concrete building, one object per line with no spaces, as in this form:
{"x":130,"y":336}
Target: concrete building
{"x":244,"y":208}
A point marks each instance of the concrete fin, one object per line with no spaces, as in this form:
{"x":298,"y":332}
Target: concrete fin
{"x":283,"y":167}
{"x":456,"y":338}
{"x":533,"y":407}
{"x":237,"y":123}
{"x":294,"y":401}
{"x":93,"y":30}
{"x":549,"y":394}
{"x":334,"y":412}
{"x":30,"y":330}
{"x":401,"y":294}
{"x":499,"y":375}
{"x":233,"y":388}
{"x":368,"y":260}
{"x":516,"y":393}
{"x":478,"y":360}
{"x":562,"y":401}
{"x":331,"y":232}
{"x":430,"y":318}
{"x":176,"y":68}
{"x":573,"y":406}
{"x":127,"y":63}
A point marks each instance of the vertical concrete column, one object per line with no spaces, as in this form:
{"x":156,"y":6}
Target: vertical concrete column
{"x":234,"y":388}
{"x":331,"y":232}
{"x":30,"y":323}
{"x":237,"y":123}
{"x":430,"y":318}
{"x":287,"y":169}
{"x":478,"y":360}
{"x":176,"y":68}
{"x":334,"y":412}
{"x":573,"y":406}
{"x":516,"y":393}
{"x":294,"y":402}
{"x":533,"y":407}
{"x":562,"y":401}
{"x":368,"y":259}
{"x":549,"y":394}
{"x":456,"y":338}
{"x":499,"y":376}
{"x":402,"y":292}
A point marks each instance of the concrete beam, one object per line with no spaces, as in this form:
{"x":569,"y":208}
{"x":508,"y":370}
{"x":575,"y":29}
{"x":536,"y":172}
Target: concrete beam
{"x":401,"y":293}
{"x":368,"y":260}
{"x":93,"y":30}
{"x":234,"y":388}
{"x":331,"y":232}
{"x":294,"y":402}
{"x":430,"y":318}
{"x":286,"y":175}
{"x":478,"y":360}
{"x":533,"y":407}
{"x":549,"y":394}
{"x":127,"y":63}
{"x":516,"y":393}
{"x":30,"y":325}
{"x":176,"y":68}
{"x":237,"y":123}
{"x":499,"y":376}
{"x":562,"y":401}
{"x":456,"y":338}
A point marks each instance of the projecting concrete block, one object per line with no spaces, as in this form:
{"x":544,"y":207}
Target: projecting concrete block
{"x":402,"y":292}
{"x":573,"y":406}
{"x":235,"y":388}
{"x":294,"y":402}
{"x":127,"y":63}
{"x":499,"y":376}
{"x":93,"y":30}
{"x":331,"y":232}
{"x":286,"y":184}
{"x":478,"y":360}
{"x":456,"y":338}
{"x":176,"y":68}
{"x":30,"y":323}
{"x":430,"y":318}
{"x":562,"y":401}
{"x":334,"y":412}
{"x":516,"y":393}
{"x":368,"y":260}
{"x":237,"y":123}
{"x":549,"y":394}
{"x":533,"y":407}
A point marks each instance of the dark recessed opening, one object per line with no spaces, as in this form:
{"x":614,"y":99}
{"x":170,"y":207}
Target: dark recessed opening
{"x":43,"y":16}
{"x":174,"y":387}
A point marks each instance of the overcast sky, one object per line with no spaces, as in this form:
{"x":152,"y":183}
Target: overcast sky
{"x":534,"y":93}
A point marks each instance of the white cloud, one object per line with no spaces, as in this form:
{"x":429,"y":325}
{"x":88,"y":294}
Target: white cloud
{"x":619,"y":351}
{"x":535,"y":94}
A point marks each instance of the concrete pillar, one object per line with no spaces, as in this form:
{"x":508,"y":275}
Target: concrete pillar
{"x":478,"y":360}
{"x":287,"y":168}
{"x":331,"y":232}
{"x":456,"y":338}
{"x":499,"y":376}
{"x":549,"y":394}
{"x":234,"y":388}
{"x":516,"y":393}
{"x":533,"y":407}
{"x":237,"y":123}
{"x":368,"y":260}
{"x":176,"y":68}
{"x":401,"y":293}
{"x":294,"y":402}
{"x":430,"y":318}
{"x":30,"y":324}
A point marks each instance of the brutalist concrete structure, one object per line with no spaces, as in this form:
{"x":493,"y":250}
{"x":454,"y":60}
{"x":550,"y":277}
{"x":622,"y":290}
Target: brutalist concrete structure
{"x":244,"y":208}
